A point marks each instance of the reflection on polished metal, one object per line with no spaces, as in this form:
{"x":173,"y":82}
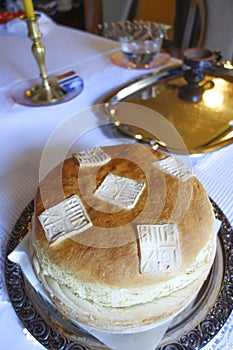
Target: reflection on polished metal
{"x":198,"y":59}
{"x":204,"y":126}
{"x":220,"y":134}
{"x":49,"y":92}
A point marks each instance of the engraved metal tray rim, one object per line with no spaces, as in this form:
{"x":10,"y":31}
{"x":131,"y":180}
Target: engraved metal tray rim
{"x":51,"y":333}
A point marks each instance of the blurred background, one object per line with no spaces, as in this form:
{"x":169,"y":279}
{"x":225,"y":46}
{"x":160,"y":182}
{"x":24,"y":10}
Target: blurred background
{"x":194,"y":23}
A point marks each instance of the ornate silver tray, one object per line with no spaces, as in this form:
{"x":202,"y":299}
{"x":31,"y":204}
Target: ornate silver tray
{"x":192,"y":329}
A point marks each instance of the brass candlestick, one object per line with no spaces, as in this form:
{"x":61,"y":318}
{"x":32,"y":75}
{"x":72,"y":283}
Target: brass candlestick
{"x":49,"y":92}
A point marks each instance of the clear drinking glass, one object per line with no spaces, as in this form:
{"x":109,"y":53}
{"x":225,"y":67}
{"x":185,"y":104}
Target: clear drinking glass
{"x":140,"y":53}
{"x":139,"y":41}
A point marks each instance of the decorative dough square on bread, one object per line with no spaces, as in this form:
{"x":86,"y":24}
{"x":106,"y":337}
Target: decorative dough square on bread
{"x":96,"y":276}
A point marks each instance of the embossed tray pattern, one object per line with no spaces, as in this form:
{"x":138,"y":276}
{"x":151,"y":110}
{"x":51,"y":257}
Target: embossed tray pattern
{"x":53,"y":331}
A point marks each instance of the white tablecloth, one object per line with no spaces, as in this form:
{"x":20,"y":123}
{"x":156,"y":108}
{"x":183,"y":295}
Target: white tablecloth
{"x":25,"y":131}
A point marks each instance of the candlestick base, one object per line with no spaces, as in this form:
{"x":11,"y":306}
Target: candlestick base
{"x":49,"y":91}
{"x":32,"y":94}
{"x":46,"y":94}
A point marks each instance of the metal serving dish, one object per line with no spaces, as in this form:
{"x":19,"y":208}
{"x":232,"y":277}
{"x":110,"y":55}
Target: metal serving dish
{"x":200,"y":127}
{"x":192,"y":329}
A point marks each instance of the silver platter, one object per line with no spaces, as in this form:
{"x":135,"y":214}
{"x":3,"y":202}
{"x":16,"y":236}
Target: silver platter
{"x":192,"y":329}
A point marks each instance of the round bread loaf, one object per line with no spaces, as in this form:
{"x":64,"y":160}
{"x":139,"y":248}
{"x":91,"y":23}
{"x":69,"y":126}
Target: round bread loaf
{"x":135,"y":244}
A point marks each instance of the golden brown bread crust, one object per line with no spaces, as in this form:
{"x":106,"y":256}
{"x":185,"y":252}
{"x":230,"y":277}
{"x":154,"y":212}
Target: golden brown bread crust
{"x":110,"y":256}
{"x":94,"y":277}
